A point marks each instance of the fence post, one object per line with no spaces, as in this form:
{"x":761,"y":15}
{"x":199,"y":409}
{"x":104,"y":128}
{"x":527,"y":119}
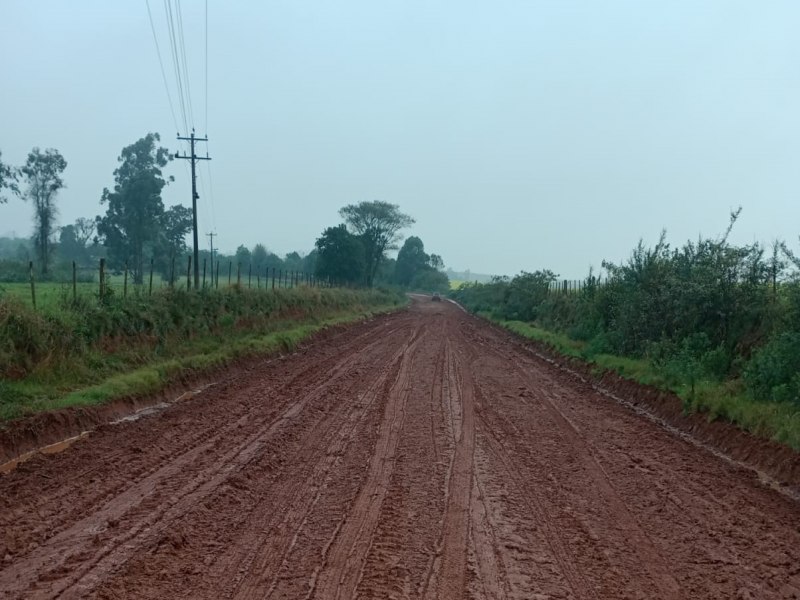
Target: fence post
{"x":217,"y":277}
{"x":125,"y":282}
{"x":172,"y":273}
{"x":205,"y":260}
{"x":33,"y":285}
{"x":249,"y":275}
{"x":230,"y":267}
{"x":102,"y":278}
{"x":273,"y":278}
{"x":150,"y":289}
{"x":238,"y":274}
{"x":189,"y":273}
{"x":74,"y":282}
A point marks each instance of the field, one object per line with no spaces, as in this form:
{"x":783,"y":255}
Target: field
{"x":50,"y":296}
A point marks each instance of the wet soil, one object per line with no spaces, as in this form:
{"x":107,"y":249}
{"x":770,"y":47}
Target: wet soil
{"x":419,"y":455}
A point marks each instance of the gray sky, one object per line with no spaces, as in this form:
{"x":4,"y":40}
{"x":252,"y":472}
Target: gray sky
{"x":520,"y":135}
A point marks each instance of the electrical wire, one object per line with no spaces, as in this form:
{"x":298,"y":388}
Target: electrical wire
{"x":176,"y":60}
{"x":182,"y":47}
{"x":206,"y":79}
{"x":161,"y":64}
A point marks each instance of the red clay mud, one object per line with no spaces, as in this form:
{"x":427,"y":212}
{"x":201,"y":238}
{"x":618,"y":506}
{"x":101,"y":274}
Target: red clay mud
{"x":419,"y":455}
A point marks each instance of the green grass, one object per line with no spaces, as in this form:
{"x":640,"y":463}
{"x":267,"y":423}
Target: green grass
{"x":30,"y":397}
{"x":50,"y":295}
{"x":778,"y":421}
{"x":57,"y":366}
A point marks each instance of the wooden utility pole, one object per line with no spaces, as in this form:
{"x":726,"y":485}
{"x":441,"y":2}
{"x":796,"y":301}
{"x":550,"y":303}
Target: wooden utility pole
{"x":193,"y":158}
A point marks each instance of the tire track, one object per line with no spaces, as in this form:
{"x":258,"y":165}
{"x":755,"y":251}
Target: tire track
{"x":344,"y":560}
{"x":447,"y":578}
{"x":271,"y":555}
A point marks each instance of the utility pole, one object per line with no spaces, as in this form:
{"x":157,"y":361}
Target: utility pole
{"x":194,"y":158}
{"x":211,"y":237}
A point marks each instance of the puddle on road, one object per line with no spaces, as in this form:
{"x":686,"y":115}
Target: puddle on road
{"x":49,"y":449}
{"x":57,"y":447}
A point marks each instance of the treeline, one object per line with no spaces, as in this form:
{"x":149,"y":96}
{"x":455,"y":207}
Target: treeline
{"x":137,"y":231}
{"x":707,"y":311}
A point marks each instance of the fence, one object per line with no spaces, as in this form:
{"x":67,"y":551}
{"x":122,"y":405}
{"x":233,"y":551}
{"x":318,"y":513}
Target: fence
{"x":101,"y":282}
{"x":575,"y":286}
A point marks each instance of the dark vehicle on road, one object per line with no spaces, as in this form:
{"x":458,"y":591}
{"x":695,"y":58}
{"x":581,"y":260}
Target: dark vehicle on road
{"x":436,"y":297}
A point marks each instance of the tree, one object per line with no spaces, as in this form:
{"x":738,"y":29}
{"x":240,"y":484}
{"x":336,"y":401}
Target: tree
{"x":340,"y":255}
{"x":69,"y":248}
{"x":259,"y":257}
{"x":243,"y":256}
{"x":42,"y":174}
{"x":430,"y":280}
{"x":175,"y":224}
{"x":8,"y":179}
{"x":132,"y":224}
{"x":74,"y":240}
{"x":378,"y":224}
{"x":84,"y":230}
{"x":293,"y":261}
{"x":410,"y":260}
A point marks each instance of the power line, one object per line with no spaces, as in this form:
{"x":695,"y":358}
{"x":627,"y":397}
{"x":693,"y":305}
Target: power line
{"x":182,"y":46}
{"x":161,"y":64}
{"x":176,"y":60}
{"x":206,"y":102}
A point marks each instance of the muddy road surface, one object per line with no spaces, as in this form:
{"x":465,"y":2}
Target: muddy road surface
{"x":418,"y":455}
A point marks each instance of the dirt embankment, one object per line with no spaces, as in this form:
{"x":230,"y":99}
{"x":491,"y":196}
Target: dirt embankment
{"x":420,"y":455}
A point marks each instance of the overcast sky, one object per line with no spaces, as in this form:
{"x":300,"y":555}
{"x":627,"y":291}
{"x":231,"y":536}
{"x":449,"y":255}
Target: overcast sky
{"x":520,"y":135}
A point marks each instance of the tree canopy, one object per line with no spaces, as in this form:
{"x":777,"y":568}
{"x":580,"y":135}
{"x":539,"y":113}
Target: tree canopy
{"x":42,"y":175}
{"x":8,"y":179}
{"x":378,"y":224}
{"x":134,"y":221}
{"x":340,"y":256}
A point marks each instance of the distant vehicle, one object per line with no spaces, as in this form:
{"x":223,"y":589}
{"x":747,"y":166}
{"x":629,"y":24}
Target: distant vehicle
{"x":436,"y":297}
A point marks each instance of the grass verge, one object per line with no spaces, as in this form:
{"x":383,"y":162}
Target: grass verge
{"x":137,"y":367}
{"x":778,"y":421}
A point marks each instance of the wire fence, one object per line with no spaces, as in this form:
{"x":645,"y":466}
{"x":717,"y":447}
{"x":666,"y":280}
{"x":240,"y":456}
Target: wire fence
{"x":100,"y":282}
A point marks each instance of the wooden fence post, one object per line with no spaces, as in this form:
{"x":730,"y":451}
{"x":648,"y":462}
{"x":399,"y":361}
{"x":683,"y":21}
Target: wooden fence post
{"x":33,"y":285}
{"x":249,"y":275}
{"x":74,"y":282}
{"x":217,"y":277}
{"x":125,"y":282}
{"x":230,"y":267}
{"x":205,"y":260}
{"x":189,"y":273}
{"x":150,"y":290}
{"x":238,"y":274}
{"x":102,"y":278}
{"x":273,"y":278}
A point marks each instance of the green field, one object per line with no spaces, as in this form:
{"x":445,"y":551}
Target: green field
{"x":51,"y":296}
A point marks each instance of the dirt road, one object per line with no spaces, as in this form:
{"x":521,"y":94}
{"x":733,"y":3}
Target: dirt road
{"x":418,"y":455}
